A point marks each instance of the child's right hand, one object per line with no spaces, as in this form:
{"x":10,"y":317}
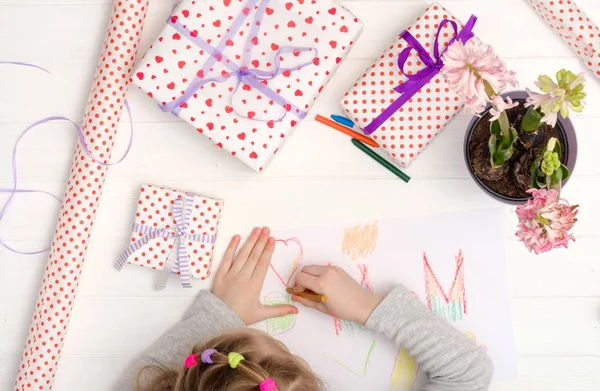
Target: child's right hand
{"x":346,"y":299}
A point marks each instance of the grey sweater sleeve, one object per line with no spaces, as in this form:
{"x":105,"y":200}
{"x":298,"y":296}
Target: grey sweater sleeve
{"x":452,"y":361}
{"x":205,"y":318}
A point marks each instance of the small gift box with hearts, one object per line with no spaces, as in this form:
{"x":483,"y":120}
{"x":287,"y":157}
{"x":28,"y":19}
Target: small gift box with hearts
{"x":403,"y":100}
{"x":245,"y":72}
{"x":175,"y":232}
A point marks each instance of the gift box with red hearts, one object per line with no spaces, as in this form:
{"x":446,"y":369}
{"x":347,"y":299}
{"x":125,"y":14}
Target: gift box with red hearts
{"x":173,"y":231}
{"x":245,"y":72}
{"x":401,"y":111}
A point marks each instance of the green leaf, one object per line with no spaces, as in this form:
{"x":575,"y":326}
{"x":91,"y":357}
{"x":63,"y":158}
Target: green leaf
{"x":532,"y":120}
{"x":556,"y":177}
{"x":565,"y":172}
{"x":492,"y":144}
{"x":495,"y":129}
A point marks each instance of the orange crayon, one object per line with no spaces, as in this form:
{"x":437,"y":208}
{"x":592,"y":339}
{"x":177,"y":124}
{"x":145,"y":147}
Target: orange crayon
{"x":308,"y":294}
{"x":346,"y":130}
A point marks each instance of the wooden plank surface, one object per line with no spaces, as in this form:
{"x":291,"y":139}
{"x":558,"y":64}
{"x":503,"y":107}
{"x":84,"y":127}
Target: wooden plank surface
{"x":554,"y":297}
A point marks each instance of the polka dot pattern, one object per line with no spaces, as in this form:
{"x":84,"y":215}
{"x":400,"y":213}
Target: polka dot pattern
{"x":155,"y":209}
{"x":52,"y":311}
{"x":255,"y":136}
{"x":567,"y":19}
{"x":412,"y":128}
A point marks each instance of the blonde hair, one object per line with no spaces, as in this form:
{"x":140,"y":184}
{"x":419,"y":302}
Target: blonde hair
{"x":260,"y":362}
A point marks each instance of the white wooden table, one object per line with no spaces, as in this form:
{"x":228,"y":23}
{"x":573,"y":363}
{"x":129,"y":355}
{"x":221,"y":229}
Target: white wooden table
{"x":319,"y":178}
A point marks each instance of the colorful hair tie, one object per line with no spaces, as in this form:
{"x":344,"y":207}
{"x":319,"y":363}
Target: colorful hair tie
{"x":206,"y":356}
{"x":190,"y":361}
{"x":268,"y":385}
{"x":234,"y":359}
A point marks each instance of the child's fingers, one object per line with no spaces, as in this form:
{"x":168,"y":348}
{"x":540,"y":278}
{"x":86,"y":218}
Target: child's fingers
{"x":265,"y":260}
{"x":309,"y":303}
{"x":305,"y":280}
{"x":256,"y":252}
{"x":314,"y":270}
{"x":244,"y":253}
{"x":228,"y":256}
{"x":277,"y":311}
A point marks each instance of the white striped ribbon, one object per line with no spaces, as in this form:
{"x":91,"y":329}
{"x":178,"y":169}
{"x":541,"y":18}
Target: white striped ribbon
{"x":178,"y":233}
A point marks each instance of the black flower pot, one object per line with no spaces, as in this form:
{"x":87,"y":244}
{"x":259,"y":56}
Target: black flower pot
{"x":566,"y":137}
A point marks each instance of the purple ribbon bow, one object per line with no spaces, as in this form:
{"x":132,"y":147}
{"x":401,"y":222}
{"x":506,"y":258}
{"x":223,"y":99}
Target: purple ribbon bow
{"x":182,"y":212}
{"x":255,"y":78}
{"x":433,"y":66}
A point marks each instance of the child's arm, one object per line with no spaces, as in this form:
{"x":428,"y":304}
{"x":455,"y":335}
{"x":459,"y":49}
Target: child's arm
{"x":235,"y":303}
{"x":453,"y":361}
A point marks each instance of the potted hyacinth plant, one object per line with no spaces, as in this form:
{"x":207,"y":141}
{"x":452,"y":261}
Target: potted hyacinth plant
{"x":520,"y":146}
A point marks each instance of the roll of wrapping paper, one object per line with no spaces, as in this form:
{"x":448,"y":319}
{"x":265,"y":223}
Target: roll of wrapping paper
{"x":52,"y":311}
{"x":575,"y":27}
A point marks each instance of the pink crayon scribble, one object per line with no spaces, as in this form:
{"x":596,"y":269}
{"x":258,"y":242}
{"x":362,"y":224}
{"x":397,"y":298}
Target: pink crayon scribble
{"x":452,"y":305}
{"x":365,"y":279}
{"x":295,"y":265}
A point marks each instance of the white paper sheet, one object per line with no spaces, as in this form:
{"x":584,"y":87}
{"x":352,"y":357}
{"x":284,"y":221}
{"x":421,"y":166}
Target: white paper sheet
{"x":465,"y":254}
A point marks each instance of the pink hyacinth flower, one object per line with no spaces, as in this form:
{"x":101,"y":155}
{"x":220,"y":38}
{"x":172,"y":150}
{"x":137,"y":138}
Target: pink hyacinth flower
{"x":467,"y":66}
{"x":499,"y":106}
{"x":545,"y":221}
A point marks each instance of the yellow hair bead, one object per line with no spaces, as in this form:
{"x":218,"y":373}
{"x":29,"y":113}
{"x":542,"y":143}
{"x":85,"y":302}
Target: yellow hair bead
{"x":234,"y":359}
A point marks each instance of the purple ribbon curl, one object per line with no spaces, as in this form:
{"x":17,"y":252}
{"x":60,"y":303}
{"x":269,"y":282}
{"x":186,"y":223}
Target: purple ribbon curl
{"x":255,"y":78}
{"x":433,"y":66}
{"x":15,"y":190}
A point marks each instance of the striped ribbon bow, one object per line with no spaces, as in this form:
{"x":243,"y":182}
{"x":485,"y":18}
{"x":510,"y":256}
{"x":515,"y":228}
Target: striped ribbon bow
{"x":182,"y":210}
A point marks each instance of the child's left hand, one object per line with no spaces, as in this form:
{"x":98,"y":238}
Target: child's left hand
{"x":240,"y":278}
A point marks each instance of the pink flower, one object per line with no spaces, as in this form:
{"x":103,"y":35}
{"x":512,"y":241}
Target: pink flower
{"x":467,"y":67}
{"x":499,"y":106}
{"x":545,"y":222}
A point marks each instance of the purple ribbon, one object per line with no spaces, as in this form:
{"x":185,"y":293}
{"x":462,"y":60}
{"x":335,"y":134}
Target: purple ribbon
{"x":255,"y":78}
{"x":24,"y":64}
{"x":433,"y":66}
{"x":14,"y":190}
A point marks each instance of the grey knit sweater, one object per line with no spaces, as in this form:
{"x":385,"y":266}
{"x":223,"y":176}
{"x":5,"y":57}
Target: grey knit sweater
{"x":453,"y":362}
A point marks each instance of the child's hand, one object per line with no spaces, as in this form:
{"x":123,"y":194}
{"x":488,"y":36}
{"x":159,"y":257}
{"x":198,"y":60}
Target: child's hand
{"x":346,"y":299}
{"x":240,"y":278}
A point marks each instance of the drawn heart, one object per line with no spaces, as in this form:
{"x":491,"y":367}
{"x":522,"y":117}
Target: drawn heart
{"x":333,"y":44}
{"x":309,"y":20}
{"x":185,"y":13}
{"x":140,"y":75}
{"x":288,"y":256}
{"x":171,"y":85}
{"x":158,"y":59}
{"x":176,"y":36}
{"x":181,"y":64}
{"x":332,"y":11}
{"x":269,"y":11}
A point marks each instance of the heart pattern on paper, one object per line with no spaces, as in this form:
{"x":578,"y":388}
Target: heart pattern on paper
{"x":331,"y":31}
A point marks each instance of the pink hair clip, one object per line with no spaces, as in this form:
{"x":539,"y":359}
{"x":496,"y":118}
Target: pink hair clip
{"x":190,"y":361}
{"x":268,"y":385}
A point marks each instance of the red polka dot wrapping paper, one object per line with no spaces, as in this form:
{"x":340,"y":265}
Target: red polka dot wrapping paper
{"x":52,"y":311}
{"x":573,"y":26}
{"x":155,"y":209}
{"x":242,"y":121}
{"x":412,"y":128}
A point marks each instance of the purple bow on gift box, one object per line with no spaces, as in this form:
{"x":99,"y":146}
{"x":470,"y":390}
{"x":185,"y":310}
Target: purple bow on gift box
{"x":255,"y":78}
{"x":433,"y":66}
{"x":182,"y":210}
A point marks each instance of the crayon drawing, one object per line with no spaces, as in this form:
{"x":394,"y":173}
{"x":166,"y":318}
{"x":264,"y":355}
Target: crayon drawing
{"x":359,"y":373}
{"x":293,"y":266}
{"x":474,"y":339}
{"x":453,"y":305}
{"x":435,"y":257}
{"x":404,"y":373}
{"x":283,"y":324}
{"x":360,"y":241}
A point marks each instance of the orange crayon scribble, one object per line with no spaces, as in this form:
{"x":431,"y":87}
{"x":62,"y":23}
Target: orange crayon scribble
{"x":360,"y":241}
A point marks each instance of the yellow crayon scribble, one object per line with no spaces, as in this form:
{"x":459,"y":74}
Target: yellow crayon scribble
{"x":472,"y":337}
{"x":404,"y":373}
{"x":360,"y":241}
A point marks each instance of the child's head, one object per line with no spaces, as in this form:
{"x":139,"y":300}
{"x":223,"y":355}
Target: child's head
{"x":263,"y":358}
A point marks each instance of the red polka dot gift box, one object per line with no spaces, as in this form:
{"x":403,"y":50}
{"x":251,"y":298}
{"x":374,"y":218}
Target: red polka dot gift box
{"x":245,"y":72}
{"x":175,"y":232}
{"x":402,"y":101}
